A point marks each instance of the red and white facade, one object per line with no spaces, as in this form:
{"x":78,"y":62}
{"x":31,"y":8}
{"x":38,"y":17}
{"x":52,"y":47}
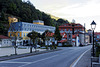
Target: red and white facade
{"x":78,"y":36}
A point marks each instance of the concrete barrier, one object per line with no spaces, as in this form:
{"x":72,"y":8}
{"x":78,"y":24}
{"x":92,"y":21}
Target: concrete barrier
{"x":95,"y":61}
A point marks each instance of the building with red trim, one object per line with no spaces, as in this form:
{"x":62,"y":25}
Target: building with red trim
{"x":77,"y":28}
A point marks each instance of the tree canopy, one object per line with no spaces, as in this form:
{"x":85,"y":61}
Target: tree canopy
{"x":57,"y":34}
{"x":25,"y":12}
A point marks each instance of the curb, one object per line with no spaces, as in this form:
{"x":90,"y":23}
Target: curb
{"x":3,"y":58}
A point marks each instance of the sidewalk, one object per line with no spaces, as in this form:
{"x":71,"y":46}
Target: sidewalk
{"x":24,"y":54}
{"x":11,"y":50}
{"x":85,"y":61}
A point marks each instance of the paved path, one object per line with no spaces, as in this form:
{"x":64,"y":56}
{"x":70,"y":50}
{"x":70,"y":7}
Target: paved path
{"x":11,"y":50}
{"x":85,"y":61}
{"x":62,"y":58}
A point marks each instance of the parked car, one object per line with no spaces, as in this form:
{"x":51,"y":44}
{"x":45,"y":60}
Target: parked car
{"x":38,"y":46}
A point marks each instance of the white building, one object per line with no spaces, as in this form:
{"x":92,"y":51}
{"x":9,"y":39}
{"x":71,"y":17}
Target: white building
{"x":5,"y":41}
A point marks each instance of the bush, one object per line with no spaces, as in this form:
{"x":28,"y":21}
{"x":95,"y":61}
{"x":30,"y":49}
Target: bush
{"x":97,"y":50}
{"x":46,"y":47}
{"x":55,"y":47}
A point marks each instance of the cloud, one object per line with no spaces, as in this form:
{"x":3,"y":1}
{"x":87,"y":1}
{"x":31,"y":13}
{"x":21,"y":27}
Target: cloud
{"x":91,"y":8}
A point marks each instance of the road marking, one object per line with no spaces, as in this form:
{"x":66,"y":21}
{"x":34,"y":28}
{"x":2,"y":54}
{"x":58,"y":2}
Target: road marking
{"x":38,"y":61}
{"x":76,"y":61}
{"x":15,"y":62}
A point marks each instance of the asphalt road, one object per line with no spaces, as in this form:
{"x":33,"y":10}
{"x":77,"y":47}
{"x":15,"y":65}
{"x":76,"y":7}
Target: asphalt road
{"x":62,"y":58}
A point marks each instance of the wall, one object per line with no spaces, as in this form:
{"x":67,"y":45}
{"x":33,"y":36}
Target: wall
{"x":6,"y":42}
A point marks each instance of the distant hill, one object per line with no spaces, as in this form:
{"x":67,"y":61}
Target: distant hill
{"x":26,"y":12}
{"x":54,"y":17}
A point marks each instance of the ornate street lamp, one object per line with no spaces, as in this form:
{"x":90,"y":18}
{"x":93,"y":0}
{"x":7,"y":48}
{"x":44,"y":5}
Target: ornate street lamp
{"x":93,"y":26}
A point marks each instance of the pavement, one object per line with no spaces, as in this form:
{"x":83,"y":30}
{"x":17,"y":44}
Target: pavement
{"x":85,"y":60}
{"x":11,"y":50}
{"x":62,"y":58}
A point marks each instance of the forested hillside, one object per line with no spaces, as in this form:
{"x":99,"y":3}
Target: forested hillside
{"x":24,"y":11}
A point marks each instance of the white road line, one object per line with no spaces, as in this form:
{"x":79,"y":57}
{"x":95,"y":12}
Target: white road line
{"x":38,"y":61}
{"x":15,"y":62}
{"x":77,"y":60}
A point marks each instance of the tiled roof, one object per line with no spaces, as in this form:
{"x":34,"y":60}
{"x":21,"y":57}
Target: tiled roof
{"x":50,"y":34}
{"x":74,"y":36}
{"x":61,"y":41}
{"x":97,"y":33}
{"x":4,"y":37}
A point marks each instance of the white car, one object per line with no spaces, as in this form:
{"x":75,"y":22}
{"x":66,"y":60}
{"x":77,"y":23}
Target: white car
{"x":38,"y":46}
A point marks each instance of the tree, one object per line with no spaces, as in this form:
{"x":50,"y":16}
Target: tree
{"x":61,"y":21}
{"x":32,"y":35}
{"x":57,"y":34}
{"x":3,"y":18}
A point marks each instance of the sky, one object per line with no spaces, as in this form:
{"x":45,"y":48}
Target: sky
{"x":82,"y":11}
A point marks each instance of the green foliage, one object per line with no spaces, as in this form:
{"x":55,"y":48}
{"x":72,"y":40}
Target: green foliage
{"x":97,"y":50}
{"x":61,"y":21}
{"x":57,"y":34}
{"x":3,"y":18}
{"x":26,"y":12}
{"x":33,"y":35}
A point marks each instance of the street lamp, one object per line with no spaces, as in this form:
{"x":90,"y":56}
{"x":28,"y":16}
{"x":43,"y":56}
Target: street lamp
{"x":93,"y":26}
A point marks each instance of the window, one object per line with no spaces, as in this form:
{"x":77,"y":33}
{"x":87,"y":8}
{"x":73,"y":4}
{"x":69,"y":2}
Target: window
{"x":18,"y":34}
{"x":10,"y":34}
{"x":7,"y":42}
{"x":61,"y":29}
{"x":24,"y":25}
{"x":65,"y":29}
{"x":24,"y":34}
{"x":78,"y":29}
{"x":97,"y":36}
{"x":25,"y":28}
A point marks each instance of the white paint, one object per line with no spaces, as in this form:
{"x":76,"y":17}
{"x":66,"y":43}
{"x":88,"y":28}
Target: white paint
{"x":39,"y":60}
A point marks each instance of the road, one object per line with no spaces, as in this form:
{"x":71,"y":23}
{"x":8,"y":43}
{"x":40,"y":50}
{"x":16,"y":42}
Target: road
{"x":62,"y":58}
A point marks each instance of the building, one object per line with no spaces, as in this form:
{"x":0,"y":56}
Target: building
{"x":75,"y":28}
{"x":90,"y":36}
{"x":97,"y":36}
{"x":38,"y":22}
{"x":21,"y":29}
{"x":12,"y":20}
{"x":5,"y":41}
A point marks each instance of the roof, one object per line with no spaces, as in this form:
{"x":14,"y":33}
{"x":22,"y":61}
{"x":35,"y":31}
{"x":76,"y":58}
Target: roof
{"x":97,"y":33}
{"x":70,"y":25}
{"x":73,"y":41}
{"x":50,"y":34}
{"x":74,"y":36}
{"x":4,"y":37}
{"x":62,"y":41}
{"x":64,"y":35}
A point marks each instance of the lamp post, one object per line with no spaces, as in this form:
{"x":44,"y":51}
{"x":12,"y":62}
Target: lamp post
{"x":93,"y":26}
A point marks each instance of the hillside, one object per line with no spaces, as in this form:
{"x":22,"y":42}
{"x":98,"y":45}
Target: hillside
{"x":24,"y":11}
{"x":54,"y":17}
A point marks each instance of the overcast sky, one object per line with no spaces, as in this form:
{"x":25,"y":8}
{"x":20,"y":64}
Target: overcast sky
{"x":83,"y":11}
